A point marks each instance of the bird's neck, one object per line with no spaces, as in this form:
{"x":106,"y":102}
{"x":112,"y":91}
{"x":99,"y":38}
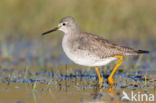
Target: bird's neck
{"x":69,"y":36}
{"x":72,"y":33}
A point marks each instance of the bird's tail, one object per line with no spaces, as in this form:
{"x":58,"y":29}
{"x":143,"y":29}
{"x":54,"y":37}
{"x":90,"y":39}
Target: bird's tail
{"x":136,"y":52}
{"x":142,"y":51}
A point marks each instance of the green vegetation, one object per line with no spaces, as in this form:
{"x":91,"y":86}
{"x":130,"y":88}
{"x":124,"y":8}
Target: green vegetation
{"x":113,"y":19}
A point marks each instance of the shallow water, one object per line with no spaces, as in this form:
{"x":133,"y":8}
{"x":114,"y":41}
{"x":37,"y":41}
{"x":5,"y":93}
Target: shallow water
{"x":46,"y":93}
{"x":39,"y":72}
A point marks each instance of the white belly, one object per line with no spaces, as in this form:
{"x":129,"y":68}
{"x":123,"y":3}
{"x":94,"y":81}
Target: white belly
{"x":83,"y":57}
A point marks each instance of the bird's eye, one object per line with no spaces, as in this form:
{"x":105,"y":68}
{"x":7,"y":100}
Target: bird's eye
{"x":64,"y":24}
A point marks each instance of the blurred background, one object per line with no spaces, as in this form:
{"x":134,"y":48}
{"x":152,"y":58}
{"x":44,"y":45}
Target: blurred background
{"x":129,"y":23}
{"x":36,"y":68}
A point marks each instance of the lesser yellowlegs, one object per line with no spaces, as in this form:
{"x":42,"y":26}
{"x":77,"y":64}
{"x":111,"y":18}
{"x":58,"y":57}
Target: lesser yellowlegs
{"x":89,"y":49}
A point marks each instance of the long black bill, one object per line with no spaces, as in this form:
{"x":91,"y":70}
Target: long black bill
{"x":56,"y":28}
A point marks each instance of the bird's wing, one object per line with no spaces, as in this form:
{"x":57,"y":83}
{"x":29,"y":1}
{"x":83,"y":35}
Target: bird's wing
{"x":101,"y":47}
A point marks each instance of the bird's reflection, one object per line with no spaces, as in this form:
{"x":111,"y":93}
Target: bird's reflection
{"x":98,"y":94}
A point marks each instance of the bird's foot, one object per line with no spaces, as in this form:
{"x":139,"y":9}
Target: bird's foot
{"x":110,"y":81}
{"x":100,"y":82}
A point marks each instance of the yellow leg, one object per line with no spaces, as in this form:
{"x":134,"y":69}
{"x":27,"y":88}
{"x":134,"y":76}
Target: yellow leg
{"x":99,"y":77}
{"x":110,"y":79}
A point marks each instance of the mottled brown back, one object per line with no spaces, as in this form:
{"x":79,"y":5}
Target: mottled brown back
{"x":100,"y":46}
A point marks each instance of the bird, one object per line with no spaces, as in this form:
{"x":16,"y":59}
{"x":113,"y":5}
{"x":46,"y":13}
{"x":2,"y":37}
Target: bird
{"x":91,"y":50}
